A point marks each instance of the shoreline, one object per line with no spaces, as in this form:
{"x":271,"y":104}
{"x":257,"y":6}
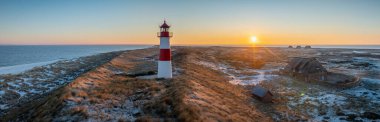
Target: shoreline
{"x":23,"y":67}
{"x":19,"y":88}
{"x":20,"y":68}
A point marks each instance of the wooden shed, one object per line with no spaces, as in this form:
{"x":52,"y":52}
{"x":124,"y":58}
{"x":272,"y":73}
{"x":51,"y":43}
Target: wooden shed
{"x":262,"y":94}
{"x":308,"y":68}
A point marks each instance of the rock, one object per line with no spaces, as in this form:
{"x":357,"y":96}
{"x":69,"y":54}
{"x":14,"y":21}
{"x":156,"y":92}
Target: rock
{"x":370,"y":115}
{"x":290,"y":46}
{"x":307,"y":47}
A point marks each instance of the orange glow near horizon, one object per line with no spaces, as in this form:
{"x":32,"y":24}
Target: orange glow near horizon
{"x":116,"y":22}
{"x":280,"y":39}
{"x":202,"y":39}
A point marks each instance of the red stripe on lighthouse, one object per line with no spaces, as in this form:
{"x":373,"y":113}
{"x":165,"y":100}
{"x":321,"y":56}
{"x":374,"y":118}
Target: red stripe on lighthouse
{"x":164,"y":34}
{"x":165,"y":55}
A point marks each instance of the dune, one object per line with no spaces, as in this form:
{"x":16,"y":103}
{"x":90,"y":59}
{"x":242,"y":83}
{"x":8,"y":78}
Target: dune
{"x":209,"y":84}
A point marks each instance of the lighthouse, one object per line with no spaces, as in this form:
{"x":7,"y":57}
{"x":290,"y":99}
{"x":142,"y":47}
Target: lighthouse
{"x":164,"y":63}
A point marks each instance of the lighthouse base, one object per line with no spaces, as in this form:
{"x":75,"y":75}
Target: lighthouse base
{"x":164,"y":69}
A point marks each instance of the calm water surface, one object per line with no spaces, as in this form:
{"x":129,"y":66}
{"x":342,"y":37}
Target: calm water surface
{"x":19,"y":55}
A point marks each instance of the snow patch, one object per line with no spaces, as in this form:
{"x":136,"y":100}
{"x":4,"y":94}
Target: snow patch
{"x":262,"y":74}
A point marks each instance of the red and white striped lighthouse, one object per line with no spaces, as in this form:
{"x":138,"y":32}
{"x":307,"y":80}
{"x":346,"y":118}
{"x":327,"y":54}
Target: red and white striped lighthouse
{"x":165,"y":64}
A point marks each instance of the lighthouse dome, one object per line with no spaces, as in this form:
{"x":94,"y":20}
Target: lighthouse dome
{"x":164,"y":25}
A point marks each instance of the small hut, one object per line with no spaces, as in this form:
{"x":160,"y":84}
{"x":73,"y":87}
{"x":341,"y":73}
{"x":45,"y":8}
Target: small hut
{"x":262,"y":94}
{"x":308,"y":68}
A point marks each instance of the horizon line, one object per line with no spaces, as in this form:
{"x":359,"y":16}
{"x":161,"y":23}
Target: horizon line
{"x":193,"y":44}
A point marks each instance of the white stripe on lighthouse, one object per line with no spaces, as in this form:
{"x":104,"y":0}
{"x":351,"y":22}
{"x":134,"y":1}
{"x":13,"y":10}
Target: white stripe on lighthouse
{"x":164,"y":43}
{"x":164,"y":69}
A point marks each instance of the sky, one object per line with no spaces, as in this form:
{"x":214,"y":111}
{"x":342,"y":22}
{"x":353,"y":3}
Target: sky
{"x":193,"y":22}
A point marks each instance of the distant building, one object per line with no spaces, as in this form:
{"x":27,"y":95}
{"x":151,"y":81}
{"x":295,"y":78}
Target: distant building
{"x":262,"y":94}
{"x":308,"y":68}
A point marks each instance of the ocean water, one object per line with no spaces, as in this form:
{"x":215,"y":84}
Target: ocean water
{"x":18,"y":58}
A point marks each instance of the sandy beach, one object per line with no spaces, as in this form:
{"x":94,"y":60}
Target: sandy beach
{"x":209,"y":84}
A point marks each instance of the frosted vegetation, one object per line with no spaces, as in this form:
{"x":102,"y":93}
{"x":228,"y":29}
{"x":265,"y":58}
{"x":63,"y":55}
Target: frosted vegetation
{"x":318,"y":101}
{"x":20,"y":88}
{"x":116,"y":91}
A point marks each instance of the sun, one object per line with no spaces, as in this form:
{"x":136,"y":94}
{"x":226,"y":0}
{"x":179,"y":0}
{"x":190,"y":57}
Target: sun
{"x":254,"y":39}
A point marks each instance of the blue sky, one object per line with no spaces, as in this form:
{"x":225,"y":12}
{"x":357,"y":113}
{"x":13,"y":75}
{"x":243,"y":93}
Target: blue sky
{"x":194,"y":22}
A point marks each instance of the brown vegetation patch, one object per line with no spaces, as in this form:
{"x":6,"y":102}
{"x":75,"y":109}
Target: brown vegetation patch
{"x":197,"y":93}
{"x":207,"y":95}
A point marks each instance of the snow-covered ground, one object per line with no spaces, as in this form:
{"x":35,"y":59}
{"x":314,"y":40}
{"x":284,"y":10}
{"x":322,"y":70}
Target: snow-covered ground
{"x":257,"y":75}
{"x":349,"y":104}
{"x":321,"y":103}
{"x":95,"y":101}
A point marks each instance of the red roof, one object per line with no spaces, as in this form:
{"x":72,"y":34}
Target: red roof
{"x":164,"y":25}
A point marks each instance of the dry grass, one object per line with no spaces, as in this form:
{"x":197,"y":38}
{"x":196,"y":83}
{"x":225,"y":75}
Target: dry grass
{"x":79,"y":110}
{"x":248,"y":57}
{"x":202,"y":94}
{"x":196,"y":94}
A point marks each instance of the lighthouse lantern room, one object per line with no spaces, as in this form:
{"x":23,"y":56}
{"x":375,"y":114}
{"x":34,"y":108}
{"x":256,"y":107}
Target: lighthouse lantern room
{"x":164,"y":63}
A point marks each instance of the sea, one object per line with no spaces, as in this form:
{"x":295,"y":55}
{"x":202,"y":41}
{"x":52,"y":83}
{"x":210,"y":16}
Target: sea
{"x":19,"y":58}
